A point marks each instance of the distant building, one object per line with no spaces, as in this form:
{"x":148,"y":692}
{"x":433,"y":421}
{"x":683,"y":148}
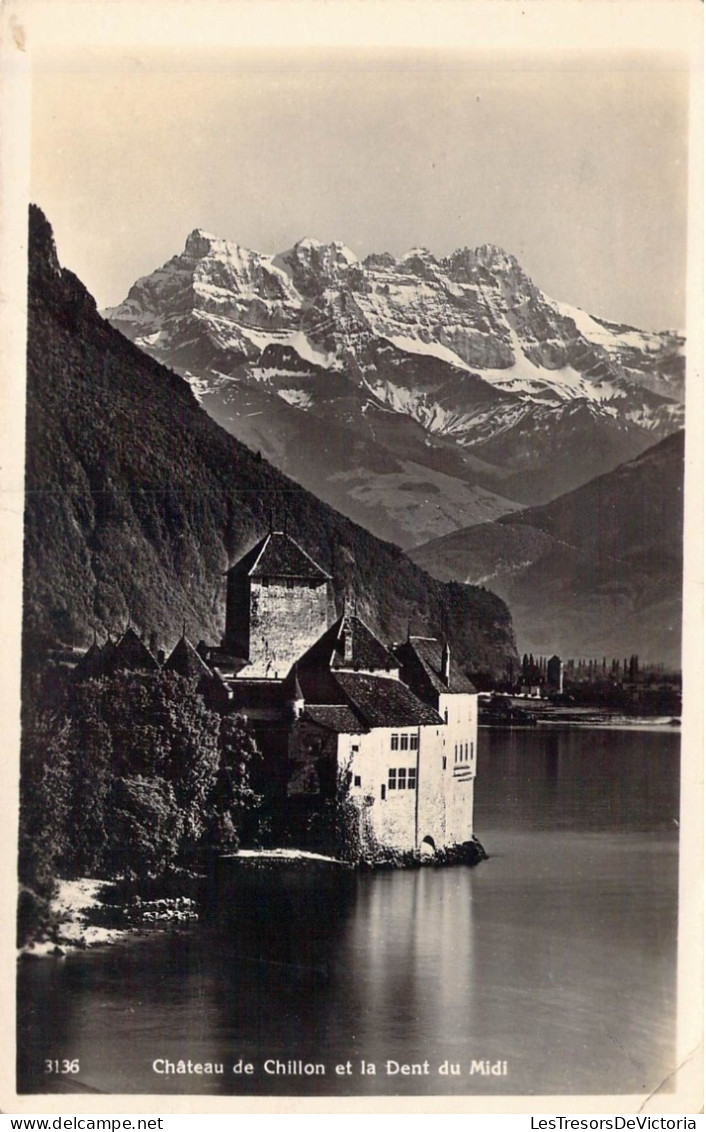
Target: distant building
{"x":555,"y":674}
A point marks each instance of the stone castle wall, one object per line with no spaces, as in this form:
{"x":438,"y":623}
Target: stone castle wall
{"x":461,"y":732}
{"x":440,"y":808}
{"x":284,"y":622}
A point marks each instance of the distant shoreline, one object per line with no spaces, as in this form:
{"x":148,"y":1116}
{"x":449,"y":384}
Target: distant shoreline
{"x":616,"y":723}
{"x":528,"y":713}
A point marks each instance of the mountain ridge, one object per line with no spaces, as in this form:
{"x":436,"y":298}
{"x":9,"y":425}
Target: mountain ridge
{"x":515,"y":396}
{"x":597,"y":571}
{"x":137,"y":501}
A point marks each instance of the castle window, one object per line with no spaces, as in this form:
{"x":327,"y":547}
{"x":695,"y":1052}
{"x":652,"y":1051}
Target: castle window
{"x":382,"y":792}
{"x":443,"y":763}
{"x":414,"y":742}
{"x":392,"y":780}
{"x":404,"y":742}
{"x":394,"y":742}
{"x":402,"y":778}
{"x":355,"y":747}
{"x":356,"y":780}
{"x":265,"y":581}
{"x":446,"y":715}
{"x":466,"y":752}
{"x":412,"y":778}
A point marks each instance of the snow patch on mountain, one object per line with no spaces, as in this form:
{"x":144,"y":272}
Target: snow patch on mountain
{"x":296,"y":339}
{"x":413,"y":345}
{"x":465,"y":426}
{"x":299,"y":398}
{"x":526,"y":379}
{"x":593,"y":331}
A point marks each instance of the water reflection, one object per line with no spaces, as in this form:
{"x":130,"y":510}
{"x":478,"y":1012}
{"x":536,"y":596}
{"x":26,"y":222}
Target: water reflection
{"x":605,"y":779}
{"x":551,"y":758}
{"x":556,"y":955}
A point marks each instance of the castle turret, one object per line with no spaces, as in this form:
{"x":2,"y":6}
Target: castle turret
{"x":276,"y":605}
{"x":446,"y":664}
{"x":347,"y":641}
{"x":294,"y":694}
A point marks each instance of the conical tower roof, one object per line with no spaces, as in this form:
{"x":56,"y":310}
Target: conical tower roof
{"x":132,"y":655}
{"x":90,"y":665}
{"x":292,"y":687}
{"x":185,"y":661}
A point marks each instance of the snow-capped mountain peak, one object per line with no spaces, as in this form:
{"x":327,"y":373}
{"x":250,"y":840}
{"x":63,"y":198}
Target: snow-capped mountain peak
{"x":200,"y":243}
{"x":465,"y":348}
{"x":494,"y":258}
{"x":310,"y":245}
{"x":418,"y":253}
{"x":315,"y":255}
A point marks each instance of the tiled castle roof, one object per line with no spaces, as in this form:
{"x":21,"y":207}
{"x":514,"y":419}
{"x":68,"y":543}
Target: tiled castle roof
{"x":335,"y":717}
{"x":279,"y":556}
{"x":384,"y":702}
{"x":421,"y":659}
{"x":356,"y":702}
{"x":351,"y":695}
{"x":366,"y":652}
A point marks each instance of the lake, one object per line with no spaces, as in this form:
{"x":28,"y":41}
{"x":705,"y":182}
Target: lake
{"x":549,"y":968}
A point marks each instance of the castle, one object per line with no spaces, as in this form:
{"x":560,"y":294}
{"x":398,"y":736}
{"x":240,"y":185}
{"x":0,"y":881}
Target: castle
{"x":330,"y":704}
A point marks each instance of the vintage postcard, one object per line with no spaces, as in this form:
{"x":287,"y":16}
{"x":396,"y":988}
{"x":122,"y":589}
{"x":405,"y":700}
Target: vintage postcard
{"x":352,"y":363}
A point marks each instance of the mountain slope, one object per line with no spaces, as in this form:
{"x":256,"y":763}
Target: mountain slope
{"x":136,"y":501}
{"x":513,"y":396}
{"x":595,"y":572}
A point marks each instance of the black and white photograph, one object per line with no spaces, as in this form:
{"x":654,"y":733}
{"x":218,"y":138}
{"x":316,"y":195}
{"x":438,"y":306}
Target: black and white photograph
{"x":352,"y":648}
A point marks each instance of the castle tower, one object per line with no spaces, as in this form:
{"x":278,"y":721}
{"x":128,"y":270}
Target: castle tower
{"x":276,"y":606}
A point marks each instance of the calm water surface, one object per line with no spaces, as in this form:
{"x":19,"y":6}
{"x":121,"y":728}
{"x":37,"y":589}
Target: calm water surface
{"x":556,"y":956}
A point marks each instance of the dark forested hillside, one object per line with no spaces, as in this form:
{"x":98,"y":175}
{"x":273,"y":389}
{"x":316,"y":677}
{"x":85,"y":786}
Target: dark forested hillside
{"x":137,"y":501}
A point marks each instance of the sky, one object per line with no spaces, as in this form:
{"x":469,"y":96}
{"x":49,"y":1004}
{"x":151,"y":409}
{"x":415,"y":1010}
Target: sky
{"x":575,"y":162}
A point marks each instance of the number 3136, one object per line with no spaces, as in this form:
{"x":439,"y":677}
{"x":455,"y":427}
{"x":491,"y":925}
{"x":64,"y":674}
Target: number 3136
{"x":64,"y":1066}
